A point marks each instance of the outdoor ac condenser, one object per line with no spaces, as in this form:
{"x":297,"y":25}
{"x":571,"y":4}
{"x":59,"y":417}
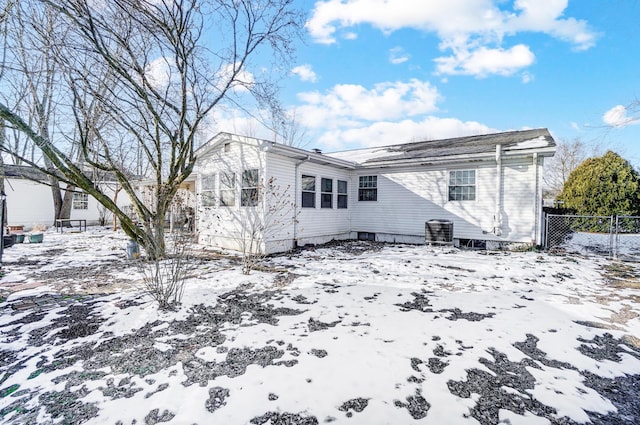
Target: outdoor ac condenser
{"x":439,"y":231}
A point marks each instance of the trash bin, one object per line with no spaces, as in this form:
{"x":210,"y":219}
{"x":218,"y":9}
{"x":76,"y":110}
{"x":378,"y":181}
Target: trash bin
{"x":8,"y":241}
{"x":133,"y":250}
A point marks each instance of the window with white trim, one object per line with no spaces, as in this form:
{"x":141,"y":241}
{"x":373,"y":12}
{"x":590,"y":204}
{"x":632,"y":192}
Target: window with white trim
{"x":249,"y":192}
{"x":80,"y":201}
{"x":308,"y":191}
{"x":227,"y":189}
{"x":368,"y":188}
{"x":462,"y":185}
{"x":208,"y":190}
{"x":326,"y":193}
{"x":342,"y":194}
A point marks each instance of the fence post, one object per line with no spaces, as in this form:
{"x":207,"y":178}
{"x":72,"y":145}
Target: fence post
{"x":616,"y":240}
{"x":546,"y":232}
{"x":612,"y":252}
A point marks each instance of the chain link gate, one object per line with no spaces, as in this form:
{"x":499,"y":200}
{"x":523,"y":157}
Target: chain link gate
{"x":627,"y":238}
{"x":610,"y":236}
{"x":582,"y":234}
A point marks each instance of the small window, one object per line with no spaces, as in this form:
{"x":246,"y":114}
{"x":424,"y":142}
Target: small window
{"x":227,"y":189}
{"x":326,"y":193}
{"x":342,"y":194}
{"x":308,"y":191}
{"x":249,"y":193}
{"x":227,"y":147}
{"x":368,"y":188}
{"x":208,"y":190}
{"x":80,"y":201}
{"x":462,"y":185}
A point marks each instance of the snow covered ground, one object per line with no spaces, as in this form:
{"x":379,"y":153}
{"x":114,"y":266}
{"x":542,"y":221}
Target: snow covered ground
{"x":353,"y":333}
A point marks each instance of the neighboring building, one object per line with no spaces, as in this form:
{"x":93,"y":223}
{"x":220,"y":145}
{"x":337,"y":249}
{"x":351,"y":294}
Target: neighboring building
{"x":30,"y":203}
{"x":278,"y":197}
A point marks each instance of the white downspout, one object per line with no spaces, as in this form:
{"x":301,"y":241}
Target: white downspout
{"x":497,"y":218}
{"x":537,"y":212}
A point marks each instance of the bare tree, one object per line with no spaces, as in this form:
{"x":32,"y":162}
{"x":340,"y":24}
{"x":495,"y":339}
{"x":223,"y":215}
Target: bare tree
{"x":272,"y":213}
{"x":567,"y":157}
{"x":143,"y":66}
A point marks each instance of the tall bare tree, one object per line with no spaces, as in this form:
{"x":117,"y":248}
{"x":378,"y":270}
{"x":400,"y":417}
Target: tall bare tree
{"x":143,"y":76}
{"x":566,"y":159}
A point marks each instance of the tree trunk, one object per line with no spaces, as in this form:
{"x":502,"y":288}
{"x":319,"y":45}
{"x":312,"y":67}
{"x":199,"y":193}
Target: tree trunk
{"x":55,"y":191}
{"x":67,"y":202}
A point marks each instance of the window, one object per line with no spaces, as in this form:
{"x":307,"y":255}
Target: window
{"x":80,"y":201}
{"x":462,"y":185}
{"x":227,"y":147}
{"x":308,"y":191}
{"x":342,"y":194}
{"x":208,"y":190}
{"x":326,"y":193}
{"x":249,"y":193}
{"x":227,"y":189}
{"x":368,"y":188}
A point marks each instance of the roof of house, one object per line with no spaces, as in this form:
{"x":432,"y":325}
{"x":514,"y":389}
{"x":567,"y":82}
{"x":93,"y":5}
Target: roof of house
{"x":512,"y":142}
{"x":31,"y":173}
{"x":24,"y":172}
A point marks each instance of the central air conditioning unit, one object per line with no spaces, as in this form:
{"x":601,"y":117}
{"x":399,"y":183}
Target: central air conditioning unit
{"x":438,"y":231}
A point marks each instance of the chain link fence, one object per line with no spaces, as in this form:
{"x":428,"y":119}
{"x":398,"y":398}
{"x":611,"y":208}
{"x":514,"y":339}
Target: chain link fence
{"x":627,"y":238}
{"x":610,"y":236}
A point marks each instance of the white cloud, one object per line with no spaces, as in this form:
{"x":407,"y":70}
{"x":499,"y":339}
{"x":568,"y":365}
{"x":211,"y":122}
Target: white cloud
{"x":397,"y":55}
{"x":349,"y":104}
{"x":473,"y":29}
{"x":527,"y":77}
{"x":242,"y":81}
{"x":618,"y":117}
{"x":388,"y":133}
{"x":484,"y":61}
{"x":158,"y":72}
{"x":305,"y":72}
{"x":545,"y":16}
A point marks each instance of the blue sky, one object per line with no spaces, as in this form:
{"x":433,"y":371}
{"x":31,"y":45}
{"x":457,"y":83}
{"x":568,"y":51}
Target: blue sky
{"x":376,"y":72}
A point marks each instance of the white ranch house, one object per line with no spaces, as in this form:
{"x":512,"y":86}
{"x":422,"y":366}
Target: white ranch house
{"x":279,"y":197}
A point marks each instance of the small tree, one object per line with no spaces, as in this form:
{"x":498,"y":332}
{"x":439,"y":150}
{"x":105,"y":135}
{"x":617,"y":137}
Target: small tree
{"x":605,"y":185}
{"x":273,"y":213}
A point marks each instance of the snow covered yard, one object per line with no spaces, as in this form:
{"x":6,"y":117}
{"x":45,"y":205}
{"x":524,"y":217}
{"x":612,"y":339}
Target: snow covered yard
{"x":352,"y":333}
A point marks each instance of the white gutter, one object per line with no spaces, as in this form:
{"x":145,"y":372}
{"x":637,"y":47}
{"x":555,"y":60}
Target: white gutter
{"x":497,"y":218}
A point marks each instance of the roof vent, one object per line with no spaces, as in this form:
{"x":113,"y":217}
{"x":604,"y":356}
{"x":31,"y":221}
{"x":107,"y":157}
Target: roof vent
{"x":316,"y":150}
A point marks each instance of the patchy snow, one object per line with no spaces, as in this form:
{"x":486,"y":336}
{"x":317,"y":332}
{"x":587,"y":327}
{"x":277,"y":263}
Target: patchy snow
{"x":356,"y":332}
{"x":538,"y":142}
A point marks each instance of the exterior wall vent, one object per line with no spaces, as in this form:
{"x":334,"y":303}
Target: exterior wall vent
{"x":439,"y":231}
{"x":366,"y":236}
